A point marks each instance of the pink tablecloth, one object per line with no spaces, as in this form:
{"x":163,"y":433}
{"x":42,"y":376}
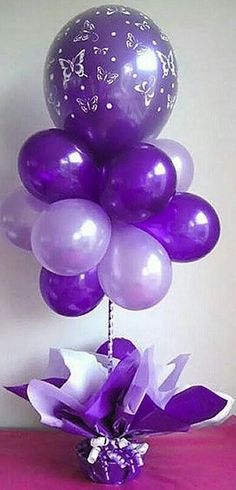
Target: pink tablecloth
{"x":202,"y":459}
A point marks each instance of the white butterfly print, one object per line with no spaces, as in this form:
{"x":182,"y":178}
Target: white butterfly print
{"x":170,"y":101}
{"x":53,"y":100}
{"x":168,"y":64}
{"x":76,"y":65}
{"x":146,"y":88}
{"x":132,"y":43}
{"x":106,"y":76}
{"x":113,"y":10}
{"x":88,"y":105}
{"x":163,"y":36}
{"x":143,"y":26}
{"x":102,"y":51}
{"x":50,"y":62}
{"x":87,"y":32}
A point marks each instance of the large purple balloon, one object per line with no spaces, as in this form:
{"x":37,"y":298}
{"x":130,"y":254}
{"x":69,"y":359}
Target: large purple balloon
{"x":110,"y":78}
{"x":71,"y":236}
{"x":188,"y":227}
{"x":71,"y":296}
{"x":52,"y":166}
{"x":19,"y":211}
{"x":136,"y":271}
{"x":137,"y":183}
{"x":181,"y":160}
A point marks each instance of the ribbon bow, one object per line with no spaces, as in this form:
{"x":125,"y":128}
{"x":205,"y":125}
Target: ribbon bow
{"x":97,"y":443}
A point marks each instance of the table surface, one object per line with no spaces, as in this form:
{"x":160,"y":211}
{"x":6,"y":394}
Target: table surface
{"x":203,"y":459}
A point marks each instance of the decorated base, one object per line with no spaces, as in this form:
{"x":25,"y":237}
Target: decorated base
{"x":114,"y":464}
{"x":45,"y":460}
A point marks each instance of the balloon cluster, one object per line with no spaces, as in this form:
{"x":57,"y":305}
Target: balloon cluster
{"x":103,"y":211}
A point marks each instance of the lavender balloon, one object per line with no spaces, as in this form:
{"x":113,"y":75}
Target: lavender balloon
{"x":53,"y":166}
{"x":181,"y":160}
{"x":110,"y":78}
{"x":19,"y":212}
{"x":188,"y":227}
{"x":71,"y":296}
{"x":71,"y":236}
{"x":136,"y":271}
{"x":137,"y":183}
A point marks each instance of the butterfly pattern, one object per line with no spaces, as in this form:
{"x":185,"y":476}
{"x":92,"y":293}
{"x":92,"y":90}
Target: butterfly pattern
{"x":87,"y":32}
{"x":106,"y":76}
{"x":50,"y":62}
{"x":88,"y":105}
{"x":132,"y":43}
{"x":170,"y":101}
{"x":146,"y":88}
{"x":114,"y":10}
{"x":102,"y":51}
{"x":143,"y":26}
{"x":164,"y":37}
{"x":54,"y":101}
{"x":74,"y":66}
{"x":168,"y":64}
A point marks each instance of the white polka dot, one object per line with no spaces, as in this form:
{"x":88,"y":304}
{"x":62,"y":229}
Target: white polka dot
{"x":60,"y":51}
{"x":135,"y":75}
{"x":77,"y":21}
{"x":173,"y":85}
{"x":109,"y":105}
{"x":51,"y":76}
{"x":162,"y":90}
{"x":113,"y":34}
{"x":66,"y":97}
{"x":154,"y":43}
{"x":159,"y":109}
{"x":127,"y":21}
{"x":72,"y":116}
{"x":97,"y":13}
{"x":82,"y":87}
{"x":113,"y":58}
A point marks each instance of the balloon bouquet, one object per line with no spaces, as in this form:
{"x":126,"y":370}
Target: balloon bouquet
{"x":104,"y":209}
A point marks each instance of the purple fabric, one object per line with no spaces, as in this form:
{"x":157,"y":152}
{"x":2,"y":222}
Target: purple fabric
{"x":103,"y":403}
{"x":195,"y":405}
{"x":21,"y":390}
{"x":171,"y":381}
{"x":125,"y":403}
{"x":151,"y":419}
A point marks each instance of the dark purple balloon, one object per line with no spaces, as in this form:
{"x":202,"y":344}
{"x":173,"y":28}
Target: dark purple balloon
{"x":188,"y":227}
{"x":71,"y":295}
{"x":53,"y":166}
{"x":110,"y":78}
{"x":137,"y":183}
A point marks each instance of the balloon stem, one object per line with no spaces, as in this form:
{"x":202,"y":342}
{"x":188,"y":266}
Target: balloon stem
{"x":110,"y":335}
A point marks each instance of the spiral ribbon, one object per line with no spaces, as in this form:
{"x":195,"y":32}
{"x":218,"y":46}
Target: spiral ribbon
{"x":97,"y":443}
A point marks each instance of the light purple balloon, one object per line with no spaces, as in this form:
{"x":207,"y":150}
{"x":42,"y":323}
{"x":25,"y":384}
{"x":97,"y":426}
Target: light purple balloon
{"x":136,"y":271}
{"x":19,"y":211}
{"x":71,"y":236}
{"x":181,"y":160}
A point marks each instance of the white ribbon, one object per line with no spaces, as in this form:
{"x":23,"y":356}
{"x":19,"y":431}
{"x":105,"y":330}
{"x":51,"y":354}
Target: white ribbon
{"x":97,"y":443}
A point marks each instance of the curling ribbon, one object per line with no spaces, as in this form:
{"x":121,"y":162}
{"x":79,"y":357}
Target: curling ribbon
{"x":97,"y":443}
